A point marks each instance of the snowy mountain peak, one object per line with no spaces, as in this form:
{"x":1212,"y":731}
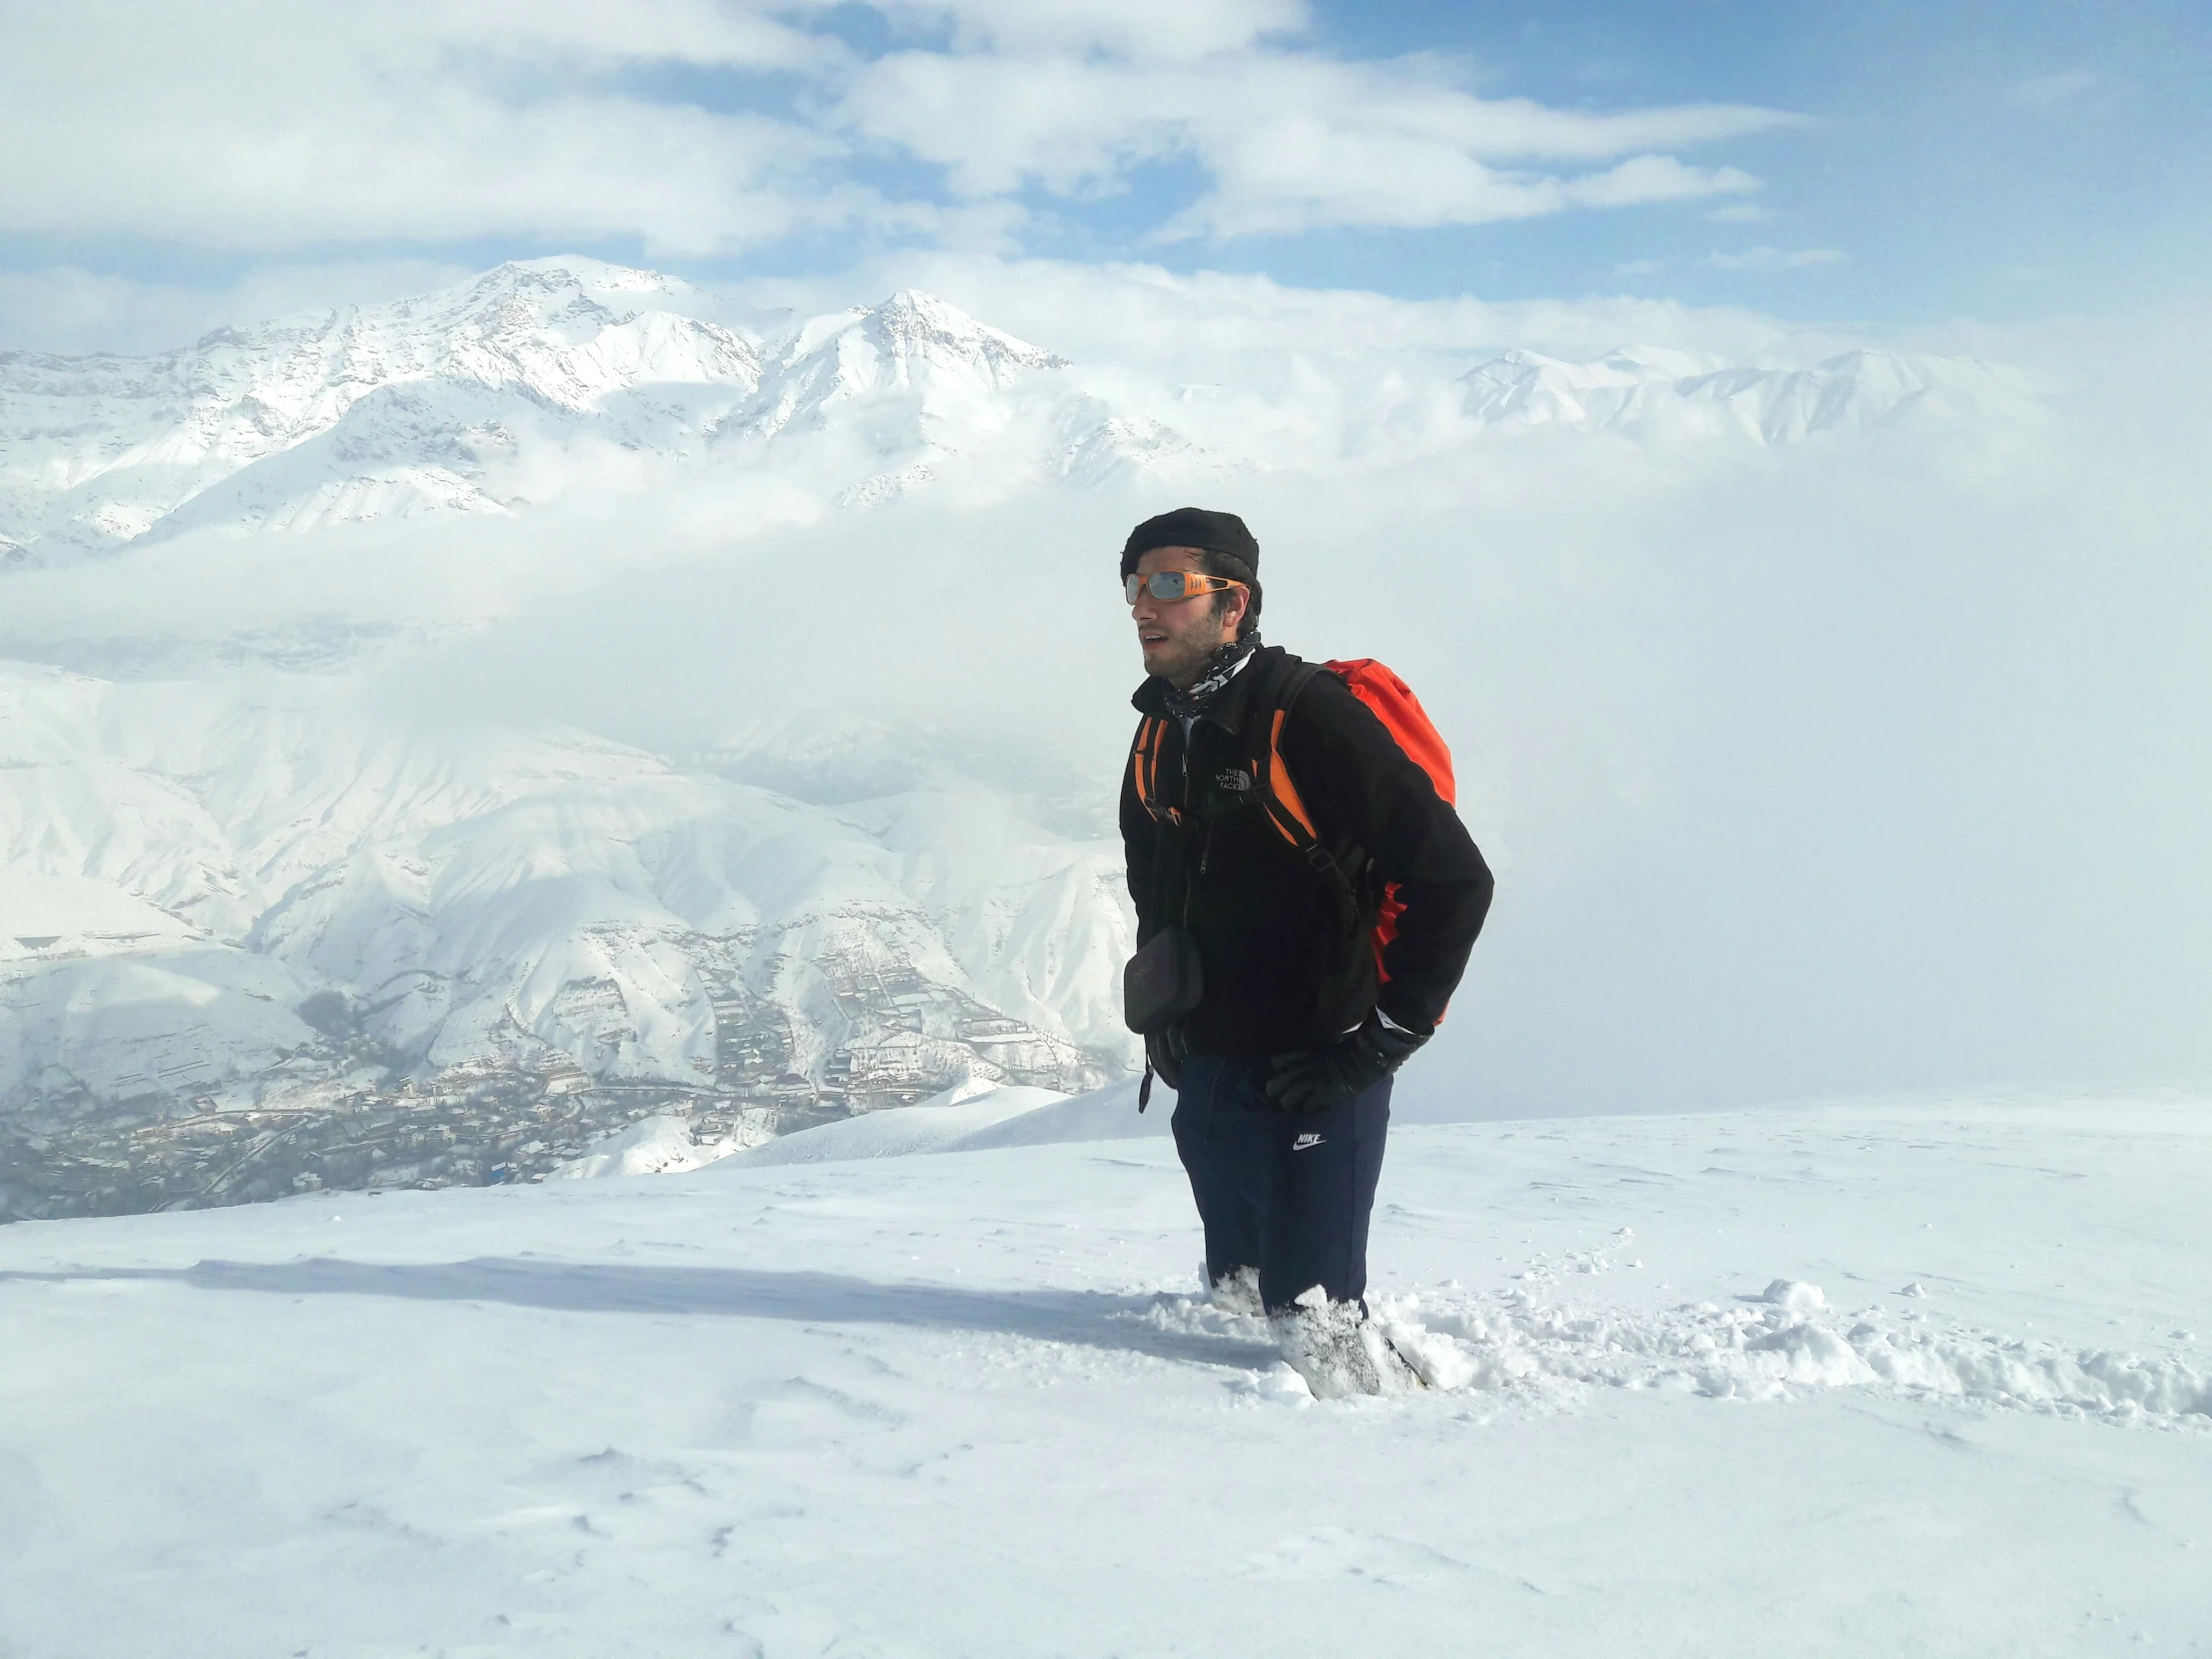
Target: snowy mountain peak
{"x":485,"y":396}
{"x":598,"y":273}
{"x":515,"y":324}
{"x":539,"y":376}
{"x":911,"y":340}
{"x":912,"y":349}
{"x":369,"y":411}
{"x":922,"y":325}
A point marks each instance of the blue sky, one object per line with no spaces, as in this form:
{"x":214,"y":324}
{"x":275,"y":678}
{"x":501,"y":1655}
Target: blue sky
{"x":1885,"y":163}
{"x":1983,"y":159}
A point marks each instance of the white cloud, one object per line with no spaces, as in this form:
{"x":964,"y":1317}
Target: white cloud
{"x":2050,"y":92}
{"x":66,"y":309}
{"x":1174,"y":329}
{"x":1764,"y":259}
{"x":252,"y":125}
{"x":258,"y":125}
{"x":1739,"y":213}
{"x":1290,"y":140}
{"x":1145,"y":29}
{"x":1404,"y":185}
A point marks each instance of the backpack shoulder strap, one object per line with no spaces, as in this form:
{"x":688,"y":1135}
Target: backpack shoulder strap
{"x":1144,"y":769}
{"x":1278,"y":794}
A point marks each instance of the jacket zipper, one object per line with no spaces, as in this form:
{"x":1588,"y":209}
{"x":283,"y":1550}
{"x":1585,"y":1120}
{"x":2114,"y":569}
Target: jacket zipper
{"x":1205,"y":847}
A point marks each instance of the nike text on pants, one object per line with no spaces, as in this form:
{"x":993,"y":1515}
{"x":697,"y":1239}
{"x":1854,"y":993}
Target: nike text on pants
{"x":1287,"y":1193}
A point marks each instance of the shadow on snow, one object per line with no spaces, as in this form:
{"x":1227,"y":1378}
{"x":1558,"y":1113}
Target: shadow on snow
{"x":1088,"y":1318}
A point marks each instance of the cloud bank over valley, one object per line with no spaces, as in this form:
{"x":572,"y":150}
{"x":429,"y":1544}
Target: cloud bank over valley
{"x":573,"y":694}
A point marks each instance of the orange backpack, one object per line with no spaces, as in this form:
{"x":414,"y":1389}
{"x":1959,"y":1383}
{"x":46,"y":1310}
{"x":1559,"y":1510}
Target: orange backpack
{"x":1392,"y":702}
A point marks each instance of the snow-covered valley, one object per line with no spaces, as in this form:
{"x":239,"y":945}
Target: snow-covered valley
{"x":437,"y":733}
{"x":972,"y":1403}
{"x":256,"y":944}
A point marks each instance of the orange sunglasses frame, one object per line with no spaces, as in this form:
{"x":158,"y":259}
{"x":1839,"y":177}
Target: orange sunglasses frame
{"x":1135,"y":583}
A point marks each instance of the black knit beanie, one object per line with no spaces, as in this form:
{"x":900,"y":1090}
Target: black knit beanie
{"x":1192,"y":527}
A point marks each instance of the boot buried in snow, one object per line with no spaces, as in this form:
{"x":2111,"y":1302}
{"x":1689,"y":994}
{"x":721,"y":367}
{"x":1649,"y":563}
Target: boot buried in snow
{"x":1340,"y":1351}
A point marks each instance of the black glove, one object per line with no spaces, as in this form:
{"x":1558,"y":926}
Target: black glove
{"x":1318,"y":1079}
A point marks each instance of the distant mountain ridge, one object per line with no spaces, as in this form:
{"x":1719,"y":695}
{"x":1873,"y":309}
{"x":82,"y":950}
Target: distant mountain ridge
{"x":497,"y":395}
{"x":450,"y":402}
{"x":1654,"y":389}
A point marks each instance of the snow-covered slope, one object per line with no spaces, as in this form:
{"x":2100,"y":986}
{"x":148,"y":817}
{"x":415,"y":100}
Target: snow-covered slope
{"x":222,"y":904}
{"x":974,"y":1404}
{"x":498,"y":395}
{"x":945,"y":1123}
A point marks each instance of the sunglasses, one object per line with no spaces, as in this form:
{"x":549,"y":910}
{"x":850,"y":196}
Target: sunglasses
{"x":1166,"y":586}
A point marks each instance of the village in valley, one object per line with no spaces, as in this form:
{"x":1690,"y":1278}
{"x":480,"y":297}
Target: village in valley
{"x":345,"y":1115}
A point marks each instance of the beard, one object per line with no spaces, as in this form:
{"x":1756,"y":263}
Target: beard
{"x":1182,"y":657}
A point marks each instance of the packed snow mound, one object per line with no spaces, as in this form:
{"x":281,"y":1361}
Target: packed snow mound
{"x":979,"y":1118}
{"x":1766,"y":1352}
{"x":651,"y":1146}
{"x":941,"y":1124}
{"x":1659,"y":392}
{"x":1795,"y":1296}
{"x":1520,"y":1342}
{"x":1107,"y":1114}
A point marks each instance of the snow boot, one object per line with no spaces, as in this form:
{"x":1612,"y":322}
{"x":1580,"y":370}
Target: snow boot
{"x":1340,"y":1351}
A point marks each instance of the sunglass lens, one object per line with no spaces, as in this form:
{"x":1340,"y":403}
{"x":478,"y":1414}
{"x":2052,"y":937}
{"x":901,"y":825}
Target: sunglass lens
{"x":1166,"y":586}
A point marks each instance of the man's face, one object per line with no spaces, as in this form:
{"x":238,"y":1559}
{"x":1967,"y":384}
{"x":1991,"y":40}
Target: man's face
{"x":1177,"y":636}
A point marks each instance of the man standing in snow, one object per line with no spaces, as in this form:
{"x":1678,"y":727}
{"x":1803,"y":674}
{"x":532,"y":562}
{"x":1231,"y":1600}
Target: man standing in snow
{"x":1265,"y":1001}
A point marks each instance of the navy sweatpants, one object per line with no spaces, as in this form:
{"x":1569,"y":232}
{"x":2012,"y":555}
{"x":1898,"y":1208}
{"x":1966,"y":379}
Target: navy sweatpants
{"x":1287,"y":1193}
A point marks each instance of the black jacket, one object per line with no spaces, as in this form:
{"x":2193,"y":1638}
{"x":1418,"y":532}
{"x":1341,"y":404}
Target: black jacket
{"x":1282,"y":972}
